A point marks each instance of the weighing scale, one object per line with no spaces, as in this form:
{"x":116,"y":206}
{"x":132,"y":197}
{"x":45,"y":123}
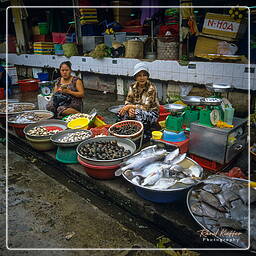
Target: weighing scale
{"x":46,"y":87}
{"x":191,"y":113}
{"x":174,"y":131}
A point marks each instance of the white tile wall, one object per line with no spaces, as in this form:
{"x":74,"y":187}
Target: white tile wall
{"x":205,"y":72}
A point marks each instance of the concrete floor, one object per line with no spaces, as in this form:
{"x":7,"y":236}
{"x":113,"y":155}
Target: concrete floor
{"x":42,"y":213}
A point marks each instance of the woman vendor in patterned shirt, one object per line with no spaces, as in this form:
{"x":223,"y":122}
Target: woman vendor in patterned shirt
{"x":141,"y":102}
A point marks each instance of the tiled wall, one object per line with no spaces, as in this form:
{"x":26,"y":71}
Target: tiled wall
{"x":200,"y":72}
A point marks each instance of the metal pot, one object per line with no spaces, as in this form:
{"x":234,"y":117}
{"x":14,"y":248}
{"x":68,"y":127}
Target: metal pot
{"x":56,"y":137}
{"x":126,"y":143}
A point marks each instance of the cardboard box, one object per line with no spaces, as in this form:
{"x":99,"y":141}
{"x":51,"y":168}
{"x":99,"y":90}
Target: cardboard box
{"x":206,"y":45}
{"x":223,"y":25}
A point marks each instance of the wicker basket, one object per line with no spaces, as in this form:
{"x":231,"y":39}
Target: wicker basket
{"x":167,"y":48}
{"x":134,"y":49}
{"x":124,"y":123}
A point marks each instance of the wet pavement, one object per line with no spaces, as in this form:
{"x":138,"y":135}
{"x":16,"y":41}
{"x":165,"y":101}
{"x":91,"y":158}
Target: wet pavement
{"x":43,"y":213}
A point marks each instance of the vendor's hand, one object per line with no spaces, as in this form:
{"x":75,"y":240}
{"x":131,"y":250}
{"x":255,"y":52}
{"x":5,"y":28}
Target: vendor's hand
{"x":123,"y":110}
{"x":131,"y":112}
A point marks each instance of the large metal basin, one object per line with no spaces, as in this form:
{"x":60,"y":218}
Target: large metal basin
{"x":175,"y":108}
{"x":218,"y":87}
{"x":192,"y":100}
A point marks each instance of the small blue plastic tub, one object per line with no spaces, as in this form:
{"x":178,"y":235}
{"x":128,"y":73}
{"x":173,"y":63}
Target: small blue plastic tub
{"x":174,"y":136}
{"x":43,"y":76}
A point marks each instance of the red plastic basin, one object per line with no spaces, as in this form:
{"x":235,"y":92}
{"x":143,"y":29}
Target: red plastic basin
{"x":99,"y":172}
{"x":18,"y":128}
{"x":28,"y":85}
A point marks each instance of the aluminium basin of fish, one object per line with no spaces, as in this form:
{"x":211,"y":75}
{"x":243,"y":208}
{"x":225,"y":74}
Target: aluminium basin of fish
{"x":220,"y":205}
{"x":162,"y":174}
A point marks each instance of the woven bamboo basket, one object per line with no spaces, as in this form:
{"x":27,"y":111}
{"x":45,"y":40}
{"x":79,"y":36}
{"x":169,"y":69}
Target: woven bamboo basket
{"x":134,"y":49}
{"x":167,"y":48}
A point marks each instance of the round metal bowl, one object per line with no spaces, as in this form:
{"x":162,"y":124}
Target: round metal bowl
{"x":45,"y":115}
{"x":51,"y":122}
{"x":191,"y":199}
{"x":126,"y":143}
{"x":175,"y":108}
{"x":26,"y":104}
{"x":192,"y":100}
{"x":211,"y":101}
{"x":218,"y":87}
{"x":176,"y":193}
{"x":56,"y":137}
{"x":115,"y":109}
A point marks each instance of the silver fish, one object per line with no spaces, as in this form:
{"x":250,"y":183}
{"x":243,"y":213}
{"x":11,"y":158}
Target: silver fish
{"x":152,"y":178}
{"x":148,"y":151}
{"x":212,"y":188}
{"x":217,"y":179}
{"x":164,"y":183}
{"x":196,"y":170}
{"x":178,"y":159}
{"x":171,"y":156}
{"x":136,"y":180}
{"x":187,"y":181}
{"x":143,"y":161}
{"x":145,"y":171}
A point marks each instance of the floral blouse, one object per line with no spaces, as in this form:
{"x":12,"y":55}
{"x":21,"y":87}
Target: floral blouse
{"x":144,"y":97}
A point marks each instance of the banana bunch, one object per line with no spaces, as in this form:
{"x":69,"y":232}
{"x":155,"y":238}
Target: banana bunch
{"x":109,"y":31}
{"x":237,"y":13}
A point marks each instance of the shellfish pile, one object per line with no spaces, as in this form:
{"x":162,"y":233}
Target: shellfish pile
{"x":105,"y":150}
{"x":12,"y":107}
{"x":29,"y":117}
{"x":221,"y":203}
{"x":75,"y":116}
{"x":76,"y":136}
{"x":127,"y":129}
{"x":42,"y":131}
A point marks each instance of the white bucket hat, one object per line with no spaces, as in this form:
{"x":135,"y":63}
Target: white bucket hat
{"x":139,"y":67}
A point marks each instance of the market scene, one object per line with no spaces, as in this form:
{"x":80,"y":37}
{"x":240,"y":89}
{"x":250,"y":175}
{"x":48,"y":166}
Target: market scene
{"x":128,"y":128}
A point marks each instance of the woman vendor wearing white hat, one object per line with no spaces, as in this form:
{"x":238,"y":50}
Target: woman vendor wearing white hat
{"x":141,"y":103}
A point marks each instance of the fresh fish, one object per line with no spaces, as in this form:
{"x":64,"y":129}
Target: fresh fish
{"x":178,"y":159}
{"x":164,"y":183}
{"x":221,"y":199}
{"x":146,"y":170}
{"x":236,"y":203}
{"x":197,"y":209}
{"x":211,"y":212}
{"x":171,"y":170}
{"x":212,"y":188}
{"x":187,"y":180}
{"x":211,"y":200}
{"x":136,"y":180}
{"x":171,"y":156}
{"x":239,"y":213}
{"x":152,"y":178}
{"x":229,"y":223}
{"x":196,"y":170}
{"x":229,"y":196}
{"x":218,"y":180}
{"x":243,"y":193}
{"x":148,"y":151}
{"x":142,"y":161}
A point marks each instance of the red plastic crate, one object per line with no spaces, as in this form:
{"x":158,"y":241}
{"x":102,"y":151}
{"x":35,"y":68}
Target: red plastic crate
{"x":182,"y":145}
{"x":163,"y":116}
{"x":59,"y":38}
{"x":208,"y":164}
{"x":28,"y":85}
{"x":42,"y":38}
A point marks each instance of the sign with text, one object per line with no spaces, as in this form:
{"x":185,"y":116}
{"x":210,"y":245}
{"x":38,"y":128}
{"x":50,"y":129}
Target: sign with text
{"x":221,"y":25}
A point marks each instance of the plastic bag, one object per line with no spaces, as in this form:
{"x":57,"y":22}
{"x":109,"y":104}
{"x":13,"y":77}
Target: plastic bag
{"x":226,"y":48}
{"x":61,"y":99}
{"x":185,"y":90}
